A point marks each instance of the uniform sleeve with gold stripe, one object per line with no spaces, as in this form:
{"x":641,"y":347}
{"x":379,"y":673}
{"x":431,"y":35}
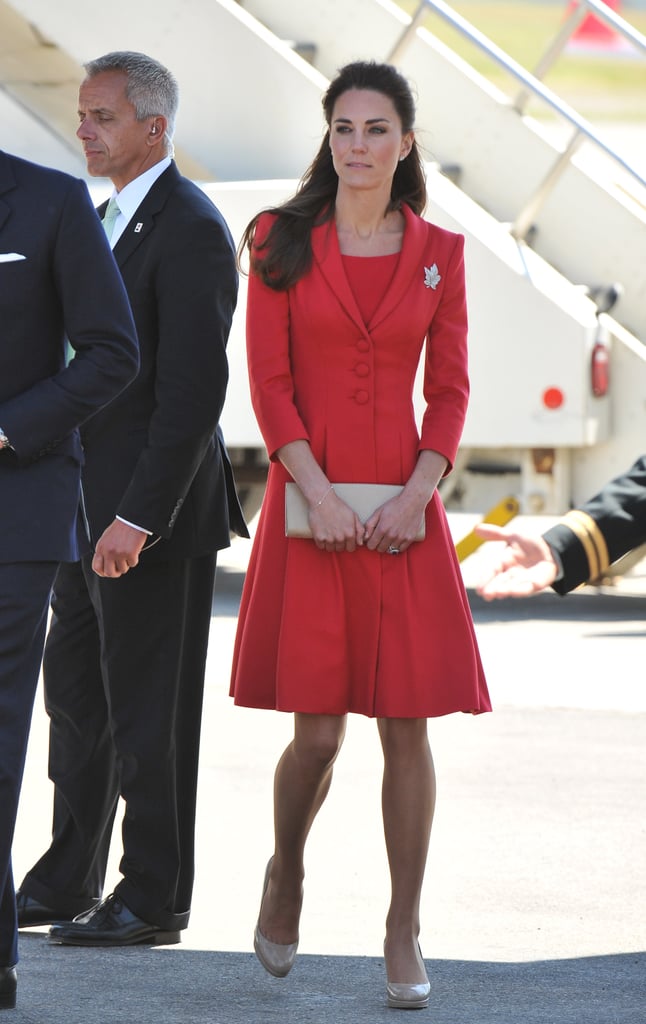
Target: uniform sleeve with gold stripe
{"x":613,"y":522}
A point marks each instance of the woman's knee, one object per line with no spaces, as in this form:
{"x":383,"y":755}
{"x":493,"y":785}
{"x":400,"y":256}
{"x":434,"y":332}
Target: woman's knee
{"x":318,"y":739}
{"x":404,"y":737}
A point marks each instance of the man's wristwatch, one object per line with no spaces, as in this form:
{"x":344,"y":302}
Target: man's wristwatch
{"x":4,"y":440}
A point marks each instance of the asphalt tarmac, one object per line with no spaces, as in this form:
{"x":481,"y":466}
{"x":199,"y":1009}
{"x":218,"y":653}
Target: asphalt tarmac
{"x":534,"y":904}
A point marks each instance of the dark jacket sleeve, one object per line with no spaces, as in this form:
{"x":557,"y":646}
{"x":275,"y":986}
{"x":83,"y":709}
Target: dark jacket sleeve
{"x":610,"y":524}
{"x":196,"y":286}
{"x":99,"y":326}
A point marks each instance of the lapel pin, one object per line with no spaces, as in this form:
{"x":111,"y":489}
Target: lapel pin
{"x":139,"y":226}
{"x":431,"y":277}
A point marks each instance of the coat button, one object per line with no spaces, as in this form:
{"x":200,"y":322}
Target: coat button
{"x":362,"y":370}
{"x":363,"y":345}
{"x":361,"y":397}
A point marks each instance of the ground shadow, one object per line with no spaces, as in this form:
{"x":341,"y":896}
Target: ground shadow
{"x":59,"y":985}
{"x":586,"y":604}
{"x":578,"y":606}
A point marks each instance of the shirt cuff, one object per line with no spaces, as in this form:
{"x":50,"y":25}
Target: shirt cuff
{"x":141,"y":529}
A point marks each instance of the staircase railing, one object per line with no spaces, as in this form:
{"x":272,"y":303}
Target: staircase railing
{"x":532,"y":86}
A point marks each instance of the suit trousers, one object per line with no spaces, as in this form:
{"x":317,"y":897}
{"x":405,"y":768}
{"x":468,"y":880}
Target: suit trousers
{"x":24,"y":605}
{"x":124,"y":678}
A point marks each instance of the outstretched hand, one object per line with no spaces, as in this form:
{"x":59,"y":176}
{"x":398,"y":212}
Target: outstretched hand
{"x":526,"y":565}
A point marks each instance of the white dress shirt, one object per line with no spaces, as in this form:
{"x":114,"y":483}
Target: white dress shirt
{"x":132,"y":195}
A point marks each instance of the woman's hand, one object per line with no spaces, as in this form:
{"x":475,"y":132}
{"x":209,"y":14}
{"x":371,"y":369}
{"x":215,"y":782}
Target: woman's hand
{"x":394,"y":526}
{"x":335,"y":527}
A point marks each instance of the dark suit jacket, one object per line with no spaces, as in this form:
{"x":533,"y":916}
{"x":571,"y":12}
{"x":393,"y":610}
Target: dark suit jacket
{"x":155,"y":456}
{"x":606,"y":527}
{"x":67,"y":284}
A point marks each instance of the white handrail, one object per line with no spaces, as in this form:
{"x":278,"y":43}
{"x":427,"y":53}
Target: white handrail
{"x":533,"y":85}
{"x":567,"y":30}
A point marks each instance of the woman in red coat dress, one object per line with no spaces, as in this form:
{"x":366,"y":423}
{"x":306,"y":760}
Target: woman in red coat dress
{"x":348,"y":286}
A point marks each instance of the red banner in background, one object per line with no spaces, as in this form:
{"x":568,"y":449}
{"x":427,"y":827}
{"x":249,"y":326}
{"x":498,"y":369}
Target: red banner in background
{"x":594,"y":34}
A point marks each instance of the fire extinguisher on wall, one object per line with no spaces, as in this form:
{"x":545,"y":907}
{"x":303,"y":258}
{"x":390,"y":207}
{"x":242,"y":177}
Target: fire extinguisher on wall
{"x":605,"y":299}
{"x":600,"y":362}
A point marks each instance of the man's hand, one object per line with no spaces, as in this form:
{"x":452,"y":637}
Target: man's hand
{"x":525,"y":567}
{"x":118,"y":550}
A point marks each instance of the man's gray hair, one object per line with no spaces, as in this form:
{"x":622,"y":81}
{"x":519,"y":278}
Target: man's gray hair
{"x":151,"y":88}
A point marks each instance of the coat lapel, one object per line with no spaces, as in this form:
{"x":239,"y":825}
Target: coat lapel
{"x":409,"y":272}
{"x":410,"y":266}
{"x":327,"y":255}
{"x":143,"y":220}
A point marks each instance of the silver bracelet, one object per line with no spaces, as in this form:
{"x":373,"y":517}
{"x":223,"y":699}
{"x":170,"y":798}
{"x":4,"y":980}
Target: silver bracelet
{"x":320,"y":502}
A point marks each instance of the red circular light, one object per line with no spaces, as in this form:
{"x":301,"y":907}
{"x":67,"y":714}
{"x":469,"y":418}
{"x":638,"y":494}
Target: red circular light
{"x":553,"y":398}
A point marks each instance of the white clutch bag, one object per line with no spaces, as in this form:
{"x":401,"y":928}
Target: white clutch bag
{"x":362,"y":499}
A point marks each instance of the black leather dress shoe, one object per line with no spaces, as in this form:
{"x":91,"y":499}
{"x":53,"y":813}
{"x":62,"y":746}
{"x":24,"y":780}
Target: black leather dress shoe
{"x":8,"y":988}
{"x":32,"y":913}
{"x":110,"y":923}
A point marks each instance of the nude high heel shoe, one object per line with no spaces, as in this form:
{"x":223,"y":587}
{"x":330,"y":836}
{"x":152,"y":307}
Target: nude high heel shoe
{"x":408,"y":997}
{"x":277,"y":958}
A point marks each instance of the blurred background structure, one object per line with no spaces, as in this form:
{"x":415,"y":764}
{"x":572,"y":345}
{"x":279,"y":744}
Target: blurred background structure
{"x":533,"y":119}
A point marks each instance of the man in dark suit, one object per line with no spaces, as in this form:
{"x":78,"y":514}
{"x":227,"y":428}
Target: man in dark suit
{"x":57,"y":278}
{"x":126,"y":653}
{"x":578,"y":549}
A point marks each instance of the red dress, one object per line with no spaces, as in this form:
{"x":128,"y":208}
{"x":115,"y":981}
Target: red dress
{"x":330,"y":633}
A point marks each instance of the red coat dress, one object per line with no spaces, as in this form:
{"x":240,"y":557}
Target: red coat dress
{"x":330,"y":633}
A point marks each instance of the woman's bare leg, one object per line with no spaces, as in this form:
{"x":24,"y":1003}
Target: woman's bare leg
{"x":301,"y":784}
{"x":408,"y":803}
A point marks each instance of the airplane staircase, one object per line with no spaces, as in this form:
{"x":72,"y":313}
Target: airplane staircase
{"x":552,"y":241}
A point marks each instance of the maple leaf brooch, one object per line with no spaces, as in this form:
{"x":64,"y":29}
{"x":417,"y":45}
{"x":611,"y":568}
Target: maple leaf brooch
{"x":432,"y":277}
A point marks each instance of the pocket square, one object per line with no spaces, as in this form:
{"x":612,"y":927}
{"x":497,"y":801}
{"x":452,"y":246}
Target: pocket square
{"x":9,"y":257}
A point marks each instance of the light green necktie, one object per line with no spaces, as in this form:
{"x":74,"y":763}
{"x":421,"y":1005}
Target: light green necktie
{"x":110,"y":216}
